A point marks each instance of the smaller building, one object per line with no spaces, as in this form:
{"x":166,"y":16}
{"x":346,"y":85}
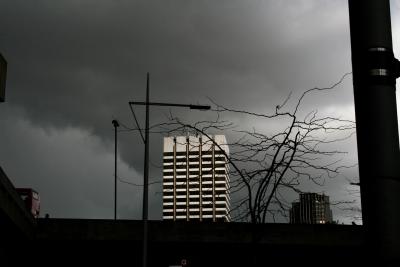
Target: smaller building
{"x":31,"y":199}
{"x":312,"y":208}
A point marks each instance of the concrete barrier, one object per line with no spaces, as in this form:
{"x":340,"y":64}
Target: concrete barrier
{"x":15,"y":220}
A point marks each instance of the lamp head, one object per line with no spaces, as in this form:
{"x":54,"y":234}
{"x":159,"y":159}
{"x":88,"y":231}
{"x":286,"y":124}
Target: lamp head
{"x":115,"y":123}
{"x":200,"y":107}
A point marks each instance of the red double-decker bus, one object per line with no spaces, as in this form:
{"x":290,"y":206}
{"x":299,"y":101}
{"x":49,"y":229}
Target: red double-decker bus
{"x":31,"y":199}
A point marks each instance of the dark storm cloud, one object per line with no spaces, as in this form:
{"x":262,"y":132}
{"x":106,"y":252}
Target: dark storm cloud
{"x":89,"y":57}
{"x":72,"y":171}
{"x":75,"y":64}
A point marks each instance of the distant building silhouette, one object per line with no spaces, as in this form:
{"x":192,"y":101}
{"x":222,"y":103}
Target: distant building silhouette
{"x":195,"y":179}
{"x":312,"y":208}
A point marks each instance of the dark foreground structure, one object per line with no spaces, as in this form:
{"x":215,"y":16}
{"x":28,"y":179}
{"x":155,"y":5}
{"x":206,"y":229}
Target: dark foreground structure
{"x":170,"y":243}
{"x":205,"y":243}
{"x":15,"y":220}
{"x":375,"y":71}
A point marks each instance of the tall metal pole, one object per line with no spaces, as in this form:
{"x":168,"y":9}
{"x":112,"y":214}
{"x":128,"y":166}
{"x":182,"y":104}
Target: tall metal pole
{"x":374,"y":75}
{"x":146,"y":175}
{"x":146,"y":157}
{"x":116,"y":125}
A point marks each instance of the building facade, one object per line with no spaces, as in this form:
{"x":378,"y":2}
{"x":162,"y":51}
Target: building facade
{"x":196,"y":178}
{"x":312,"y":208}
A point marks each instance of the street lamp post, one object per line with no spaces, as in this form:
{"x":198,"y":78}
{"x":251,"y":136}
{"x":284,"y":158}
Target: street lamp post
{"x":146,"y":158}
{"x":116,"y":125}
{"x":375,"y":71}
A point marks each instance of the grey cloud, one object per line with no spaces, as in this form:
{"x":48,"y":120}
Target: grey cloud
{"x":76,"y":64}
{"x":90,"y":58}
{"x":72,"y":171}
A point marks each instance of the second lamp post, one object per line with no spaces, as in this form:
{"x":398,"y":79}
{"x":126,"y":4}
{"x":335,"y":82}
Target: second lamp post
{"x":146,"y":157}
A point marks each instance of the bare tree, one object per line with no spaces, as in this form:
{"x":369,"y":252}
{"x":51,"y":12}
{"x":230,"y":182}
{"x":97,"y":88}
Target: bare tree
{"x":351,"y":208}
{"x":265,"y":164}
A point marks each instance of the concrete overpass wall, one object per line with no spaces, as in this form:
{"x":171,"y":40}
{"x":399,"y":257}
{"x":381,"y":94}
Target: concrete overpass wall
{"x":15,"y":220}
{"x":208,"y":244}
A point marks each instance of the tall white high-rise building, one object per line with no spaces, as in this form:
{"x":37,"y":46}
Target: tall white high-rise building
{"x":195,"y":178}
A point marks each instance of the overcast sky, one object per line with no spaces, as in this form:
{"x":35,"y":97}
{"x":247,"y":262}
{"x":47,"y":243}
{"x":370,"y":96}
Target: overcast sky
{"x":74,"y":65}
